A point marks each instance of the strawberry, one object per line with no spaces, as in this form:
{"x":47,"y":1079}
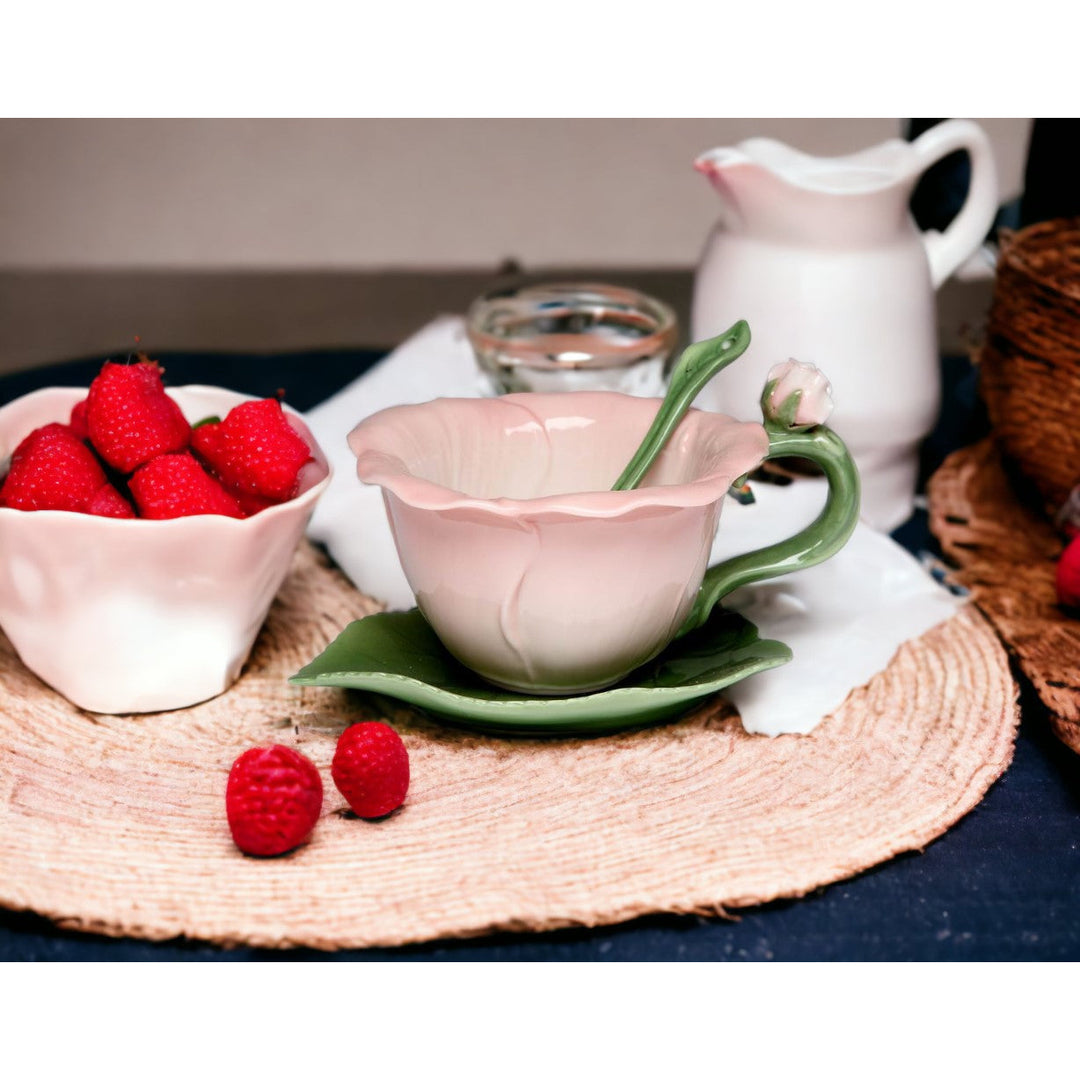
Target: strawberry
{"x":371,"y":769}
{"x":1067,"y":578}
{"x":176,"y":485}
{"x":254,"y":451}
{"x":108,"y":502}
{"x":207,"y":439}
{"x":130,"y":418}
{"x":77,"y":423}
{"x":272,"y":800}
{"x":251,"y":504}
{"x":51,"y":469}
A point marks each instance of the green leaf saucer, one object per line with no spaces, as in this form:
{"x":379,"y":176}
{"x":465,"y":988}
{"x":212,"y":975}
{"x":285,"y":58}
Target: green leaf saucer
{"x":398,"y":654}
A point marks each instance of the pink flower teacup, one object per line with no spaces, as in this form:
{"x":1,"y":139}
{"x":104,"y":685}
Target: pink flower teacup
{"x":539,"y":577}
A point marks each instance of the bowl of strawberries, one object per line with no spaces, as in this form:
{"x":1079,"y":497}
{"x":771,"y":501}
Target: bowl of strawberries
{"x":145,"y":531}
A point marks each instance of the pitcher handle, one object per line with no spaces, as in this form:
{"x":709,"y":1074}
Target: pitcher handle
{"x":820,"y":540}
{"x":947,"y":250}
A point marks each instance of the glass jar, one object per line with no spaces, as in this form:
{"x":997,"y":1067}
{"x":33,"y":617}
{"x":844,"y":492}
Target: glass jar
{"x":572,"y":337}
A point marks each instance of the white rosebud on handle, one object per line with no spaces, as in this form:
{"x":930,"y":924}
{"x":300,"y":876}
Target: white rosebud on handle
{"x":796,"y":396}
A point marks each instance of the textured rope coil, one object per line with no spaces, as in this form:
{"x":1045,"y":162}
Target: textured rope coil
{"x":1006,"y":554}
{"x":1030,"y":362}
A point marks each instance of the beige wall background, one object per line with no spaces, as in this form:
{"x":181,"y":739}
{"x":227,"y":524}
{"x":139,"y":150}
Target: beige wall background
{"x":375,"y":194}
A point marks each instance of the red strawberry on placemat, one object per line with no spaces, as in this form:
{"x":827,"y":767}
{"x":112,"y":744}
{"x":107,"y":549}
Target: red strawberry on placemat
{"x":52,"y":469}
{"x":176,"y":485}
{"x":130,"y":418}
{"x":254,"y":451}
{"x":272,"y":800}
{"x":371,"y":768}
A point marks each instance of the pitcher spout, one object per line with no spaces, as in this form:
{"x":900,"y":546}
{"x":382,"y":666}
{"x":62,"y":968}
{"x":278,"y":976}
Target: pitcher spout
{"x":713,"y":162}
{"x":717,"y":165}
{"x":749,"y":190}
{"x":781,"y":193}
{"x":733,"y":175}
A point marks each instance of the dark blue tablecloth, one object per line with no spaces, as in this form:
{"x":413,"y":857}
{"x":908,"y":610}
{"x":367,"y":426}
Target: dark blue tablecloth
{"x":1003,"y":884}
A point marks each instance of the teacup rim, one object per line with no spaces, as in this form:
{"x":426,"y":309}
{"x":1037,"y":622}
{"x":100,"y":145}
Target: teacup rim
{"x":391,"y":473}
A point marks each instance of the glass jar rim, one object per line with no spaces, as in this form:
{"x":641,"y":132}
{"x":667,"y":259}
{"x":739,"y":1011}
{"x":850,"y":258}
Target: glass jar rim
{"x":524,"y":305}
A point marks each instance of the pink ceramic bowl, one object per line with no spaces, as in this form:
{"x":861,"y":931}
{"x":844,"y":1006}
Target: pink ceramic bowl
{"x":125,"y":616}
{"x":531,"y":571}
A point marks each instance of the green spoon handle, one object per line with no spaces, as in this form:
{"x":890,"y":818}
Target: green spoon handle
{"x":817,"y":542}
{"x":697,"y":365}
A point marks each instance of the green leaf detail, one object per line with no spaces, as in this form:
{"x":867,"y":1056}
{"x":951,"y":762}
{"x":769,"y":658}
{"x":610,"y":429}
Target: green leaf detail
{"x":398,"y":654}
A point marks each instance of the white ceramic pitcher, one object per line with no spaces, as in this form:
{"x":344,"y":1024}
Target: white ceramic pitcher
{"x":822,"y":257}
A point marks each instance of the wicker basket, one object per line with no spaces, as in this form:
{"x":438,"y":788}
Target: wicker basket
{"x":1030,"y":362}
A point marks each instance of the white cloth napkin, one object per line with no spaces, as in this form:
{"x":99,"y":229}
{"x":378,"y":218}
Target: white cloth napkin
{"x":844,"y":619}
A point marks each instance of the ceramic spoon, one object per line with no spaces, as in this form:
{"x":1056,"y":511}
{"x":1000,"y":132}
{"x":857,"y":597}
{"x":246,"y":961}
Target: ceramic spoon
{"x":697,"y":365}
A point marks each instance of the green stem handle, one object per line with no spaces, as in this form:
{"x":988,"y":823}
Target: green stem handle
{"x":817,"y":542}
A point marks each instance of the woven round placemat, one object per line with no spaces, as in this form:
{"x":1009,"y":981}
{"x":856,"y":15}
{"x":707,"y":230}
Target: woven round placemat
{"x":117,"y":824}
{"x":1007,"y":553}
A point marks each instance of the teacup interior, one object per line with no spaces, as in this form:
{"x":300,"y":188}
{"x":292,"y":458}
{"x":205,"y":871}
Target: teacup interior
{"x":502,"y":448}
